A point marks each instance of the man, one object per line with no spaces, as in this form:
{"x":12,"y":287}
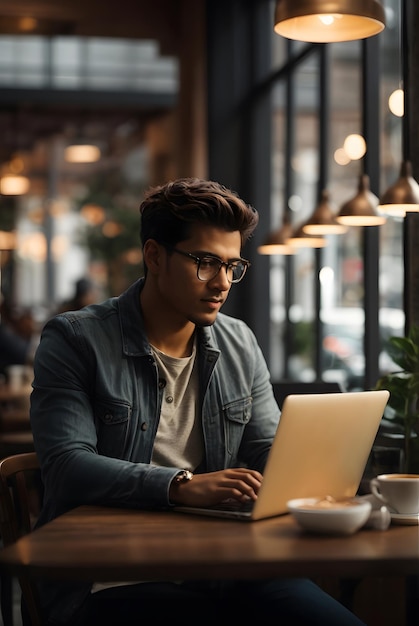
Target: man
{"x":154,"y":399}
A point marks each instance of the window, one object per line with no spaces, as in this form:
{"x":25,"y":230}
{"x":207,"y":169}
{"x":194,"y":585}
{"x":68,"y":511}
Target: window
{"x":328,"y":286}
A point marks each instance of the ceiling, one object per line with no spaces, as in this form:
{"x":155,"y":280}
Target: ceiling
{"x":159,"y":19}
{"x":30,"y":114}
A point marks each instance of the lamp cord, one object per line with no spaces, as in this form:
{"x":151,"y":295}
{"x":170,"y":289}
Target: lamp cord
{"x":405,"y":79}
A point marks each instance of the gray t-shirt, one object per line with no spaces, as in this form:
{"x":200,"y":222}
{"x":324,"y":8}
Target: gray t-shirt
{"x":179,"y":438}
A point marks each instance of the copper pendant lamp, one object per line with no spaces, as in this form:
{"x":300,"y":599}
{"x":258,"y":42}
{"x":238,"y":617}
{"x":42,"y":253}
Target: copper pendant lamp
{"x":327,"y":21}
{"x":403,"y":196}
{"x":14,"y":185}
{"x":361,"y":210}
{"x":300,"y":239}
{"x":323,"y":220}
{"x":277,"y":241}
{"x":82,"y":153}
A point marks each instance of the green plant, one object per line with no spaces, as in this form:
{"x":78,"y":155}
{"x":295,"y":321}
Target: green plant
{"x":121,"y":249}
{"x":403,"y":385}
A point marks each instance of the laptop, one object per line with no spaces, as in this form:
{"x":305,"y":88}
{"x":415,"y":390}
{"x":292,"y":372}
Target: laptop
{"x":320,"y":449}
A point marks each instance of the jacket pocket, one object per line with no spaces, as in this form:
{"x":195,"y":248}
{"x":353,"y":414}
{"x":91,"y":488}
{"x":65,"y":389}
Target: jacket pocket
{"x":112,"y":420}
{"x":237,"y":415}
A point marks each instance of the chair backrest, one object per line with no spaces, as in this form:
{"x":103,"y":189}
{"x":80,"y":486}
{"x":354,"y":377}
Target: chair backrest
{"x":20,"y":500}
{"x":284,"y":388}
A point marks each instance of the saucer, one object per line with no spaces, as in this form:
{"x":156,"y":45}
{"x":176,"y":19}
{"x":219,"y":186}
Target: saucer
{"x":398,"y":518}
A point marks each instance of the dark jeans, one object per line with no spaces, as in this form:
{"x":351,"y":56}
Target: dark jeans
{"x":261,"y":602}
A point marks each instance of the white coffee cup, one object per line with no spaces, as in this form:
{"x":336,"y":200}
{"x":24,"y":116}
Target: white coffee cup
{"x":399,"y":491}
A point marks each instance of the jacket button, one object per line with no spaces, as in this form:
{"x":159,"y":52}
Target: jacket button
{"x":108,"y":417}
{"x":162,"y":383}
{"x":169,"y":399}
{"x":144,"y":426}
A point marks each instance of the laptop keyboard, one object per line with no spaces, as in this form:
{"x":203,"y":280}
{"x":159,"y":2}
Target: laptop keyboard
{"x":234,"y":505}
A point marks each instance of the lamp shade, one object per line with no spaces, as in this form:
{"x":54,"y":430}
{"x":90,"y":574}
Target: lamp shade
{"x":300,"y":239}
{"x":276,"y":242}
{"x":14,"y":185}
{"x":82,"y":153}
{"x":361,"y":210}
{"x":323,"y":220}
{"x":323,"y":21}
{"x":403,"y":196}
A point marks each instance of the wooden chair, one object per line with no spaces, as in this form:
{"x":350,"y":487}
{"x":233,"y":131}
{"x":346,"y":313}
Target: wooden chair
{"x":20,"y":501}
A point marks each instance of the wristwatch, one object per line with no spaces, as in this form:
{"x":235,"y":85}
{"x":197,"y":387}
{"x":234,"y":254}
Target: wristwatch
{"x":183,"y":476}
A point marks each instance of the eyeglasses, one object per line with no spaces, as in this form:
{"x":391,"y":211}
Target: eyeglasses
{"x":209,"y":266}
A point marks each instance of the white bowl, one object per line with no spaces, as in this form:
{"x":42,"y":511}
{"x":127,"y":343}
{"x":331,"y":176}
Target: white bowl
{"x":323,"y":515}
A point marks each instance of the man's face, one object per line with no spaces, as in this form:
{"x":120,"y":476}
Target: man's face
{"x":185,"y":296}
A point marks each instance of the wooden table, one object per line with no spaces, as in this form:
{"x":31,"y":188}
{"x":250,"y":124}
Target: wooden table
{"x":104,"y":544}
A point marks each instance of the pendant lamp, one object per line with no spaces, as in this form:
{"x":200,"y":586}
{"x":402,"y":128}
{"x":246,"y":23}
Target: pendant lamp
{"x":361,"y":210}
{"x":12,"y":181}
{"x":14,"y":185}
{"x":323,"y":221}
{"x":327,"y":21}
{"x":276,"y":242}
{"x":82,"y":153}
{"x":300,"y":239}
{"x":403,"y":196}
{"x":82,"y":146}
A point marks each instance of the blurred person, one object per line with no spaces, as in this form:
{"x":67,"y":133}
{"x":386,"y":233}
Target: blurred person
{"x":14,"y":350}
{"x":17,"y":337}
{"x":155,"y":398}
{"x":85,"y":293}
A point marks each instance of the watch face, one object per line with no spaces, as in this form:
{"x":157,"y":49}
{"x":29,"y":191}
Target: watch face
{"x":183,"y":476}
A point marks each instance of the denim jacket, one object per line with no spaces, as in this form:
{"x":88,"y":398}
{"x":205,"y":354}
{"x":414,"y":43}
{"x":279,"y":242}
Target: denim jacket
{"x":95,"y":410}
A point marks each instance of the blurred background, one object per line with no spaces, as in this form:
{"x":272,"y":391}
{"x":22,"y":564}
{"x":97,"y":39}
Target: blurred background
{"x":98,"y":102}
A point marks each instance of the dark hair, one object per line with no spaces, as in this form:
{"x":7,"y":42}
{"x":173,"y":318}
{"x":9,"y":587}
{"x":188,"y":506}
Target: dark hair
{"x":168,"y":211}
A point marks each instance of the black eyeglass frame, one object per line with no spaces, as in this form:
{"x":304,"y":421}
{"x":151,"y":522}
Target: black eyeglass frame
{"x":229,"y":265}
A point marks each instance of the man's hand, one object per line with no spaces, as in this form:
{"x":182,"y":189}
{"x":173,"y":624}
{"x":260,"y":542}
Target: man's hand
{"x":207,"y":489}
